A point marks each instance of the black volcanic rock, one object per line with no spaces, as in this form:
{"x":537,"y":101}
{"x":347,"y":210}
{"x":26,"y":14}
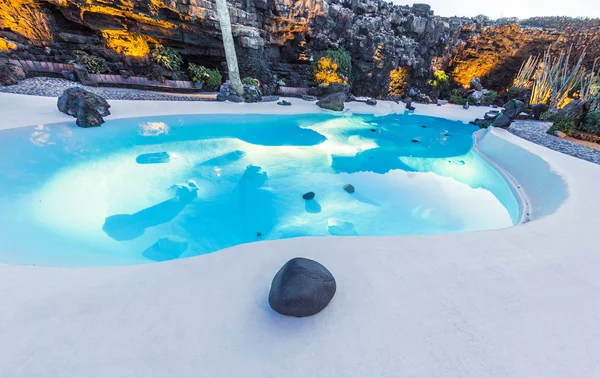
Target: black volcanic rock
{"x":301,"y":288}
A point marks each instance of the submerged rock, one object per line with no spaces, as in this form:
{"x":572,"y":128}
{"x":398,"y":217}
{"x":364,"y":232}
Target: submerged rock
{"x":349,"y":188}
{"x":154,"y":158}
{"x":301,"y":288}
{"x":167,"y":248}
{"x":338,"y":227}
{"x":309,"y":195}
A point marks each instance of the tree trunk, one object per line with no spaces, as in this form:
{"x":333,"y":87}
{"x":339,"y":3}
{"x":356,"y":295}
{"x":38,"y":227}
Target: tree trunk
{"x":230,"y":55}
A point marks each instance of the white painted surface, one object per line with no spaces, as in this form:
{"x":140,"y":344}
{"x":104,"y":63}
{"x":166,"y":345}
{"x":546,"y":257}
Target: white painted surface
{"x":518,"y":302}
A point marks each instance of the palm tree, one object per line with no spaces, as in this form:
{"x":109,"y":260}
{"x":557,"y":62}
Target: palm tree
{"x":230,"y":55}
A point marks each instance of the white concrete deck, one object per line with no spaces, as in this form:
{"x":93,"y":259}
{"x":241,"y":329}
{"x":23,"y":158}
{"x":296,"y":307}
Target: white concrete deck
{"x":518,"y":302}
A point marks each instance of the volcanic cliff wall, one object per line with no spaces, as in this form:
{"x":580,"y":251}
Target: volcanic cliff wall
{"x":273,"y":37}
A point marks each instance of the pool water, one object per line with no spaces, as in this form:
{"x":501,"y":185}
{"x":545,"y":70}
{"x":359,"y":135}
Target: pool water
{"x":160,"y":188}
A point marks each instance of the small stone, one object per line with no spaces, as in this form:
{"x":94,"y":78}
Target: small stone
{"x":302,"y":287}
{"x":309,"y":98}
{"x":371,"y":102}
{"x":235,"y":98}
{"x":284,"y":103}
{"x":373,"y":130}
{"x":349,"y":188}
{"x":415,"y":141}
{"x":466,"y":105}
{"x":309,"y":195}
{"x":259,"y":234}
{"x":423,"y":126}
{"x":221,"y":96}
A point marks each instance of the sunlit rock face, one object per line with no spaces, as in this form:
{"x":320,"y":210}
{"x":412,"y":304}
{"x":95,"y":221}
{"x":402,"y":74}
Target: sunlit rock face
{"x":495,"y":54}
{"x":280,"y":37}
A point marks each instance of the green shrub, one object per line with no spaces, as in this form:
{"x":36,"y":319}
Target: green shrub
{"x":566,"y":125}
{"x":518,"y":93}
{"x":440,"y":80}
{"x":211,"y":78}
{"x":591,"y":124}
{"x":489,"y":98}
{"x":167,"y":57}
{"x":458,"y":97}
{"x":92,"y":63}
{"x":250,"y":81}
{"x":342,"y":58}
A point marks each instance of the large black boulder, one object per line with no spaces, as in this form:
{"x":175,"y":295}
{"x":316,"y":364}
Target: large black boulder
{"x":69,"y":103}
{"x":87,"y":115}
{"x":333,"y":102}
{"x":87,"y":107}
{"x":513,"y":108}
{"x":538,"y":110}
{"x":252,"y":93}
{"x":302,"y":287}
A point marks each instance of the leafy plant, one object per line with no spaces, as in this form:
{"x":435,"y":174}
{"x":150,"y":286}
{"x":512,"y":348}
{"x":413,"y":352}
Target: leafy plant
{"x":591,"y":124}
{"x":440,"y":80}
{"x":398,"y":81}
{"x":342,"y":58}
{"x":489,"y":98}
{"x":211,"y":78}
{"x":565,"y":124}
{"x":92,"y":63}
{"x":250,"y":81}
{"x":458,"y":97}
{"x":518,"y":93}
{"x":167,"y":57}
{"x":327,"y":72}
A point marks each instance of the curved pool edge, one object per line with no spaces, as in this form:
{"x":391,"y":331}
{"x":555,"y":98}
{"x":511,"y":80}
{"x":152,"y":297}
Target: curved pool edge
{"x":516,"y":298}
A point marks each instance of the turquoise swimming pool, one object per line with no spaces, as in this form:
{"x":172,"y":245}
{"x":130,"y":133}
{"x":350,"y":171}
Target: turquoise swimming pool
{"x":159,"y":188}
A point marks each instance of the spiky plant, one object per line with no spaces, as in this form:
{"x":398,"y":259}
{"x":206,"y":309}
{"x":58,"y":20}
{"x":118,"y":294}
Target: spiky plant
{"x":556,"y":79}
{"x":590,"y":83}
{"x":526,"y":75}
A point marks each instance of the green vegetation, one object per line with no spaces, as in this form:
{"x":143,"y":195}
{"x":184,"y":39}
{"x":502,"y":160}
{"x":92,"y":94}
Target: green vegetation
{"x":591,"y":124}
{"x":211,"y":78}
{"x":489,"y":98}
{"x":440,"y":80}
{"x":458,"y":97}
{"x":333,"y":66}
{"x":565,"y":124}
{"x":250,"y":81}
{"x":92,"y":63}
{"x":167,"y":57}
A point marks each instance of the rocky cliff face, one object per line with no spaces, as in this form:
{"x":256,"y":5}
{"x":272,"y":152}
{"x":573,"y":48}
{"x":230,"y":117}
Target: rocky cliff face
{"x":273,"y":37}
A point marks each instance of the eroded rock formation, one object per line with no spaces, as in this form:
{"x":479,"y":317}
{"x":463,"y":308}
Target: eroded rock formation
{"x":277,"y":37}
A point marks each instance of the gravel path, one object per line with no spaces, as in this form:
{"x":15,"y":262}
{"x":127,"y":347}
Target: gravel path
{"x":535,"y":131}
{"x":54,"y":87}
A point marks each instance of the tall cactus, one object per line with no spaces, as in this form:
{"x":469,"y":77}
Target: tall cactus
{"x":228,"y":44}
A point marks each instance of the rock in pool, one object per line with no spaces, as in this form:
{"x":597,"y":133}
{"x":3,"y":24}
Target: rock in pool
{"x":309,"y":195}
{"x":302,"y":287}
{"x":349,"y":188}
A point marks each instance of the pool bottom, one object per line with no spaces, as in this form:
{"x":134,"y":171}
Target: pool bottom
{"x":164,"y":197}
